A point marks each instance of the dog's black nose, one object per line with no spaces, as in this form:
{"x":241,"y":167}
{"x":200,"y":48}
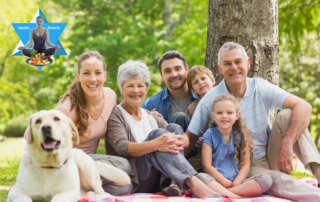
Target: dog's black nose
{"x":46,"y":130}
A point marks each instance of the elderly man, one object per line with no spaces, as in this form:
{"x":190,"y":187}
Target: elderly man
{"x":172,"y":101}
{"x":289,"y":132}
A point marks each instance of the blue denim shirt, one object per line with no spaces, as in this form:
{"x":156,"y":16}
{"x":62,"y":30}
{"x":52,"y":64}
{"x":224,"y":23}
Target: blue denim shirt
{"x":161,"y":102}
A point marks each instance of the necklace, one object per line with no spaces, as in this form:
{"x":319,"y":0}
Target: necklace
{"x":95,"y":111}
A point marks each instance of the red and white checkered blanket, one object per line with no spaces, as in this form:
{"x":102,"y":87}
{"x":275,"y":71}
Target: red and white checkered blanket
{"x":161,"y":198}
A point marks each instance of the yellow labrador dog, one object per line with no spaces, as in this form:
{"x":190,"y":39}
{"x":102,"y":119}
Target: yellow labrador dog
{"x":51,"y":170}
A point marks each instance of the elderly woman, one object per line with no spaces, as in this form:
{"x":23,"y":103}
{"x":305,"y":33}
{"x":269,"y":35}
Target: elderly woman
{"x":154,"y":148}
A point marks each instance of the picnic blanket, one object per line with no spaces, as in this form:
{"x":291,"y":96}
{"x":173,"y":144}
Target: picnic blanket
{"x":161,"y":198}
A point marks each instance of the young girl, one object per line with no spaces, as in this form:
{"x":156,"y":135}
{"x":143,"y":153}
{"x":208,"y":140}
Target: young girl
{"x":227,"y":150}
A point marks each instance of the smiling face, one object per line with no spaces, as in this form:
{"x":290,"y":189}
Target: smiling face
{"x":51,"y":131}
{"x":134,"y":92}
{"x":92,"y":76}
{"x":234,"y":66}
{"x":225,"y":114}
{"x":201,"y":84}
{"x":174,"y":73}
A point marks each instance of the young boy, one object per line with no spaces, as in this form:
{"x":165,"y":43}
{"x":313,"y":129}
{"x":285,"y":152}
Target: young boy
{"x":200,"y":80}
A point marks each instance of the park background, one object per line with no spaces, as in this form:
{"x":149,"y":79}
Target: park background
{"x":133,"y":29}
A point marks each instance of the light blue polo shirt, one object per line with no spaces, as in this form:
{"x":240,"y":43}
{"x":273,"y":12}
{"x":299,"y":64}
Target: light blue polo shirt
{"x":260,"y":98}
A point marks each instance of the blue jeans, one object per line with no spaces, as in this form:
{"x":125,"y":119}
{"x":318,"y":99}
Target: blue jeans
{"x":154,"y":167}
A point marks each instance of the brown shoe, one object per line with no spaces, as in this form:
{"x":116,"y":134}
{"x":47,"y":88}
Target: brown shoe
{"x":172,"y":190}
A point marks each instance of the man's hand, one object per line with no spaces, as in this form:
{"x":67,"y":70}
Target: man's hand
{"x":285,"y":156}
{"x":156,"y":113}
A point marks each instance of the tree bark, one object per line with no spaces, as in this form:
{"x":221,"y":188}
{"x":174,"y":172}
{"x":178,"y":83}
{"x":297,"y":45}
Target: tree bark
{"x":253,"y":24}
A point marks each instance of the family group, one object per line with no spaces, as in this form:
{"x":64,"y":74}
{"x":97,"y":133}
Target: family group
{"x":216,"y":140}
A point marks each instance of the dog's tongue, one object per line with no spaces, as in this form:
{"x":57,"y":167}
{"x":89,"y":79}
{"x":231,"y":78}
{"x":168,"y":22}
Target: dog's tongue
{"x":50,"y":145}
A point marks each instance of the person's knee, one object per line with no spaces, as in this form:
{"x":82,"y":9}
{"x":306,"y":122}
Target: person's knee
{"x":284,"y":116}
{"x":116,"y":189}
{"x":174,"y":128}
{"x":27,"y":52}
{"x":264,"y":181}
{"x":181,"y":119}
{"x":281,"y":123}
{"x":156,"y":133}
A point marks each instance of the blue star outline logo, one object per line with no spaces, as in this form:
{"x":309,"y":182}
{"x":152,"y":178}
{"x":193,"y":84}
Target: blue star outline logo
{"x":24,"y":29}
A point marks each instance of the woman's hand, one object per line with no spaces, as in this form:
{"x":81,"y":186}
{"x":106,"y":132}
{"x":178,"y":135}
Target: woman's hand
{"x":56,"y":47}
{"x":21,"y":48}
{"x":169,"y":142}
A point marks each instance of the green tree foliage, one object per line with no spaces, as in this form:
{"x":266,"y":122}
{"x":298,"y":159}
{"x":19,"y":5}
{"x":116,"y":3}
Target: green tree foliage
{"x":24,"y":89}
{"x":141,"y":29}
{"x":300,"y":75}
{"x":137,"y":29}
{"x":296,"y":20}
{"x":299,"y":26}
{"x":120,"y":30}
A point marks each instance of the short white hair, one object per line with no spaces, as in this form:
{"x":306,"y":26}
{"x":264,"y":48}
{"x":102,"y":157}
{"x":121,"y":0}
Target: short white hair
{"x":228,"y":46}
{"x":133,"y":69}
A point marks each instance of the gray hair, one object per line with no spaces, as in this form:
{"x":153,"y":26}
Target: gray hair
{"x":228,"y":46}
{"x":133,"y":69}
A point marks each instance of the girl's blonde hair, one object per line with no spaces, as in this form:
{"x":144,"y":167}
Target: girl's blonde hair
{"x":237,"y":128}
{"x":76,"y":94}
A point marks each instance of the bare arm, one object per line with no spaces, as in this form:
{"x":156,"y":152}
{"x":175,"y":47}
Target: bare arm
{"x":29,"y":43}
{"x":299,"y":121}
{"x":244,"y":166}
{"x":48,"y":41}
{"x":206,"y":157}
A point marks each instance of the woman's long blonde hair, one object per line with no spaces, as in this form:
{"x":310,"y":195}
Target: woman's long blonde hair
{"x":237,"y":128}
{"x":76,"y":93}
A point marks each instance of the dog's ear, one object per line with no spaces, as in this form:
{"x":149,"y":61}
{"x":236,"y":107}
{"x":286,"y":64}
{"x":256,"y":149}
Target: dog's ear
{"x":75,"y":134}
{"x":28,"y":133}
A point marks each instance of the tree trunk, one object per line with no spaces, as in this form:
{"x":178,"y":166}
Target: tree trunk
{"x":253,"y":24}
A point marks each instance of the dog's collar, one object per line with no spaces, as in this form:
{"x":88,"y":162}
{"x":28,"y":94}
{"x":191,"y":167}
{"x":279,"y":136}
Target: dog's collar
{"x":52,"y":167}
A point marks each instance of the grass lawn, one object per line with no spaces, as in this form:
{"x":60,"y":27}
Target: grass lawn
{"x":11,"y":151}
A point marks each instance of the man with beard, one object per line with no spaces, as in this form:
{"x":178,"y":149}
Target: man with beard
{"x":172,"y":101}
